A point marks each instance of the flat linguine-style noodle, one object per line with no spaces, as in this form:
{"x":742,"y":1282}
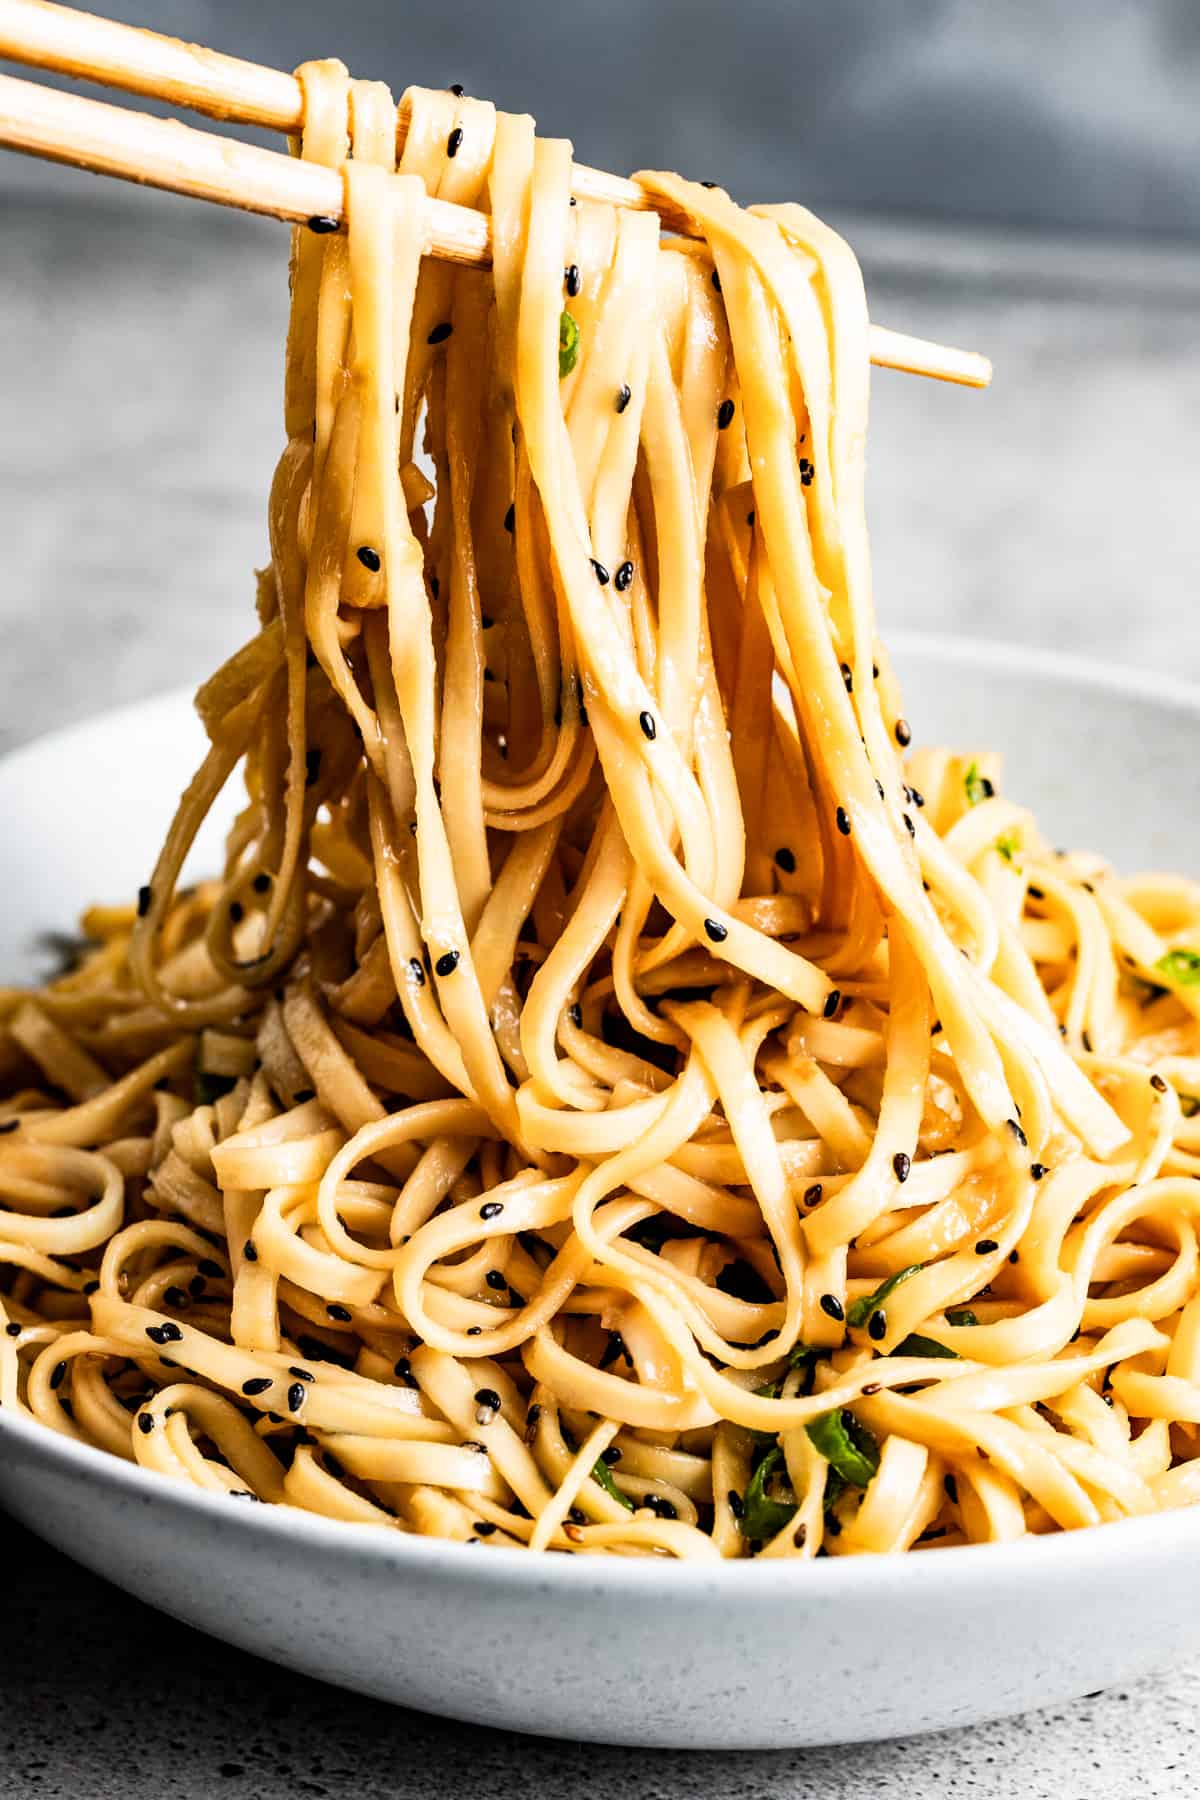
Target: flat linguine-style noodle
{"x":613,"y":1101}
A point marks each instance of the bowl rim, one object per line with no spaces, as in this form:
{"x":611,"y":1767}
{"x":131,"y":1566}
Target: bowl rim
{"x":1060,"y":1555}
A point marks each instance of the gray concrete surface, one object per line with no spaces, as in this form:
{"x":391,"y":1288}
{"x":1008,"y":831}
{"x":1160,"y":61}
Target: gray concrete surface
{"x":140,"y":373}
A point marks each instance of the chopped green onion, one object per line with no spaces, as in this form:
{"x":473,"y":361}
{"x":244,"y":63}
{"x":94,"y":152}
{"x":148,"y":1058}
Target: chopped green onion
{"x":762,"y":1516}
{"x":862,"y":1309}
{"x":917,"y":1345}
{"x":1008,"y":844}
{"x":846,"y":1446}
{"x":602,"y":1476}
{"x":568,"y":345}
{"x":978,"y":786}
{"x":961,"y":1315}
{"x":1181,"y":967}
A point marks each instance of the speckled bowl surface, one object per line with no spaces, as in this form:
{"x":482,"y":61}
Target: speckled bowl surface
{"x":633,"y":1652}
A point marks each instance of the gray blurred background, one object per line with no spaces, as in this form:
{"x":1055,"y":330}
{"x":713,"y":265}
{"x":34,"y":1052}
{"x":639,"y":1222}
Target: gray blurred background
{"x":1019,"y":176}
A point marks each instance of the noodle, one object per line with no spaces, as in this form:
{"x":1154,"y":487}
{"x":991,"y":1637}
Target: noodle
{"x":613,"y":1101}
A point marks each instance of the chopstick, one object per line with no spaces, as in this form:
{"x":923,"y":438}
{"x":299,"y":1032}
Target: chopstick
{"x":112,"y":140}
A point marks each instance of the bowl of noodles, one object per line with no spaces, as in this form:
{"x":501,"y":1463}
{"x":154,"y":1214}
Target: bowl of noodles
{"x":584,"y":1171}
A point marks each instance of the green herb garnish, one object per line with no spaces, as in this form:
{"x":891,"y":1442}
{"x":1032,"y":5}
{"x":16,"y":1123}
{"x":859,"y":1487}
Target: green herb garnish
{"x":862,"y":1309}
{"x":602,"y":1476}
{"x":1008,"y":844}
{"x":1181,"y":967}
{"x":846,"y":1446}
{"x":917,"y":1345}
{"x":978,"y":786}
{"x":763,"y":1516}
{"x":568,"y":345}
{"x":961,"y":1315}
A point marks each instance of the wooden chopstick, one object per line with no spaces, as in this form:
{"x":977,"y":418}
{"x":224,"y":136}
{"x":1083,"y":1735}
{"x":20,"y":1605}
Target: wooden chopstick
{"x":114,"y":141}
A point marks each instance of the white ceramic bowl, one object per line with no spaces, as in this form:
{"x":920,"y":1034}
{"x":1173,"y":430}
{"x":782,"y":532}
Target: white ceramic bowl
{"x":637,"y":1652}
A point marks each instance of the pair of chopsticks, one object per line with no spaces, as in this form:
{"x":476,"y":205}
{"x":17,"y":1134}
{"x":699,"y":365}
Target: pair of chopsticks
{"x":113,"y":140}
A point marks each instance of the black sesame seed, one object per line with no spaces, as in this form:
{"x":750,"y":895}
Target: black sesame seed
{"x":1158,"y":1084}
{"x":848,"y":677}
{"x":59,"y":1375}
{"x":724,"y":415}
{"x":176,"y":1296}
{"x":258,"y":1384}
{"x":495,"y":1279}
{"x":483,"y":1528}
{"x":916,"y":796}
{"x":1038,"y":1170}
{"x":143,"y":901}
{"x":832,"y":1006}
{"x":714,"y":930}
{"x":237,"y":912}
{"x":533,"y":1417}
{"x":250,"y":1251}
{"x":624,"y":396}
{"x":402,"y":1369}
{"x":623,"y":577}
{"x":737,"y":1505}
{"x":649,"y":728}
{"x":842,"y":818}
{"x":454,"y":141}
{"x":909,"y":826}
{"x":879,"y":787}
{"x":491,"y":1209}
{"x":145,"y":1423}
{"x":813,"y":1194}
{"x":901,"y":1163}
{"x":488,"y":1399}
{"x":473,"y":1443}
{"x":611,"y":1456}
{"x":440,"y":333}
{"x":447,"y":964}
{"x":877,"y":1325}
{"x":322,"y":224}
{"x":785,"y":859}
{"x":750,"y":516}
{"x":302,"y":1374}
{"x":13,"y":1328}
{"x":370,"y":559}
{"x":903,"y":732}
{"x":458,"y":90}
{"x":342,"y":1314}
{"x":262,"y":882}
{"x":1086,"y":1040}
{"x":832,"y":1305}
{"x":572,"y":279}
{"x":1017,"y":1132}
{"x":416,"y":971}
{"x":295,"y":1396}
{"x":213,"y":1270}
{"x":985,"y":1246}
{"x":660,"y":1505}
{"x":806,"y":472}
{"x":600,"y":572}
{"x":575,"y":1014}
